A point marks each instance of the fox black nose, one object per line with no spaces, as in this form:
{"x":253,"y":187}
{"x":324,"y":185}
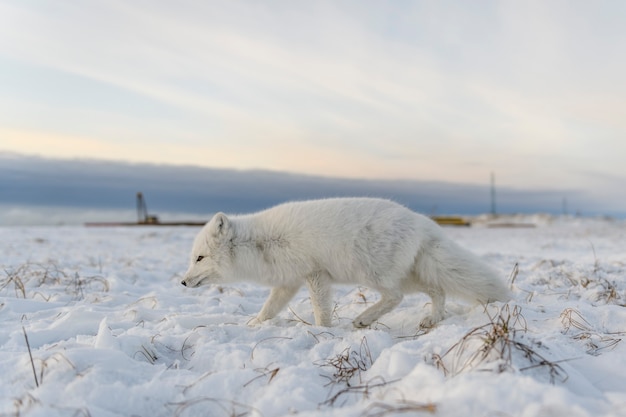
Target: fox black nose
{"x":184,"y":283}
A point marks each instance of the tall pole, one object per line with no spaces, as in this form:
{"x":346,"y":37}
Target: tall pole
{"x":493,"y":193}
{"x":142,"y":211}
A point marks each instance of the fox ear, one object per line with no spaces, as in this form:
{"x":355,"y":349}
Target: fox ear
{"x":220,"y":226}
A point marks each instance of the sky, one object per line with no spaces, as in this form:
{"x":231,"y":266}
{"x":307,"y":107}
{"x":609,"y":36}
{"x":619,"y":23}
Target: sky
{"x":447,"y":91}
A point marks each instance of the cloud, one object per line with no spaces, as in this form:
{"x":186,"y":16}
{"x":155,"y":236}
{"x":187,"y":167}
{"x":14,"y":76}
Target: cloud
{"x":34,"y":185}
{"x":413,"y":90}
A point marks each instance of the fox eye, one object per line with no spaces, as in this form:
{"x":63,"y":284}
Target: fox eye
{"x":199,"y":258}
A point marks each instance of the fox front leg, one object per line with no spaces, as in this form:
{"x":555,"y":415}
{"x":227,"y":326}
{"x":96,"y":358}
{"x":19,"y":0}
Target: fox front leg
{"x":321,"y":298}
{"x":277,"y":300}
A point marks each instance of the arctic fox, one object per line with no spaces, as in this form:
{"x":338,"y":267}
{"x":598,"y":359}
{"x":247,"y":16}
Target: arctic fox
{"x":371,"y":242}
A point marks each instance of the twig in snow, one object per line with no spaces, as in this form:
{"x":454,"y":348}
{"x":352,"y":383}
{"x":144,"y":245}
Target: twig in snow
{"x":30,"y":354}
{"x":514,"y":274}
{"x":265,"y":340}
{"x":300,"y":319}
{"x":383,"y":409}
{"x":359,"y":389}
{"x":264,"y":372}
{"x":228,"y":407}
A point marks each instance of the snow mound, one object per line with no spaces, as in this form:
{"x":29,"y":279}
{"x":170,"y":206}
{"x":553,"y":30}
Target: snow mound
{"x":113,"y":333}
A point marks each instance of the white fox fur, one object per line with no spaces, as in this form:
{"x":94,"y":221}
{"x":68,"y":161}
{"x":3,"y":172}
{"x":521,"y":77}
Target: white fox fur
{"x":370,"y":242}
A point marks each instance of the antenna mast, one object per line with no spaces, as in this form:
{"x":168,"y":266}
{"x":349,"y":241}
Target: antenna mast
{"x":142,"y":211}
{"x":493,"y":193}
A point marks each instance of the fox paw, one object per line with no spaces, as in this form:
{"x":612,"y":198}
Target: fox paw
{"x":430,"y":321}
{"x":253,"y":322}
{"x":362,"y":322}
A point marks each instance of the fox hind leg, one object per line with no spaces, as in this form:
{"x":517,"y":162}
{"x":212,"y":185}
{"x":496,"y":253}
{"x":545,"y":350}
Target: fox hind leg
{"x":438,"y":298}
{"x":389,"y":299}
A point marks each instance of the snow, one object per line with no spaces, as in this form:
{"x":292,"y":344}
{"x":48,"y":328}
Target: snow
{"x":113,"y":333}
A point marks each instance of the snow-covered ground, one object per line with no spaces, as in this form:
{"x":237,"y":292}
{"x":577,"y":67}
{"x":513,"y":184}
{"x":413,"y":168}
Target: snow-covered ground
{"x":113,"y":333}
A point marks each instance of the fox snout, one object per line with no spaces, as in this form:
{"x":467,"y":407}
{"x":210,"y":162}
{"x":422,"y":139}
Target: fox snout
{"x":192,"y":281}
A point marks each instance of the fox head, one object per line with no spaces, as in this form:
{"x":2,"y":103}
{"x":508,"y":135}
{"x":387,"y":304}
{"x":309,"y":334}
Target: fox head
{"x":211,"y":253}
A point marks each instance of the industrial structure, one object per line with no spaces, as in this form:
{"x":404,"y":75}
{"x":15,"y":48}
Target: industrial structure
{"x":144,"y":218}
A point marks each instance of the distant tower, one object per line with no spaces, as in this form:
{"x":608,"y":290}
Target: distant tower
{"x":493,"y":194}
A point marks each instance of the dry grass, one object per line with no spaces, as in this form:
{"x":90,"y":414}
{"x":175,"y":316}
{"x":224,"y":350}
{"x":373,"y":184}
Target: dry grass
{"x":379,"y":409}
{"x":30,"y":354}
{"x":365,"y":390}
{"x":147,"y":353}
{"x":496,"y":346}
{"x":47,"y":281}
{"x":264,"y":372}
{"x":44,"y":364}
{"x":266,"y":340}
{"x":212,"y":407}
{"x":596,"y":342}
{"x":349,"y":363}
{"x":346,"y":366}
{"x":23,"y":404}
{"x":513,"y":275}
{"x":602,"y":290}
